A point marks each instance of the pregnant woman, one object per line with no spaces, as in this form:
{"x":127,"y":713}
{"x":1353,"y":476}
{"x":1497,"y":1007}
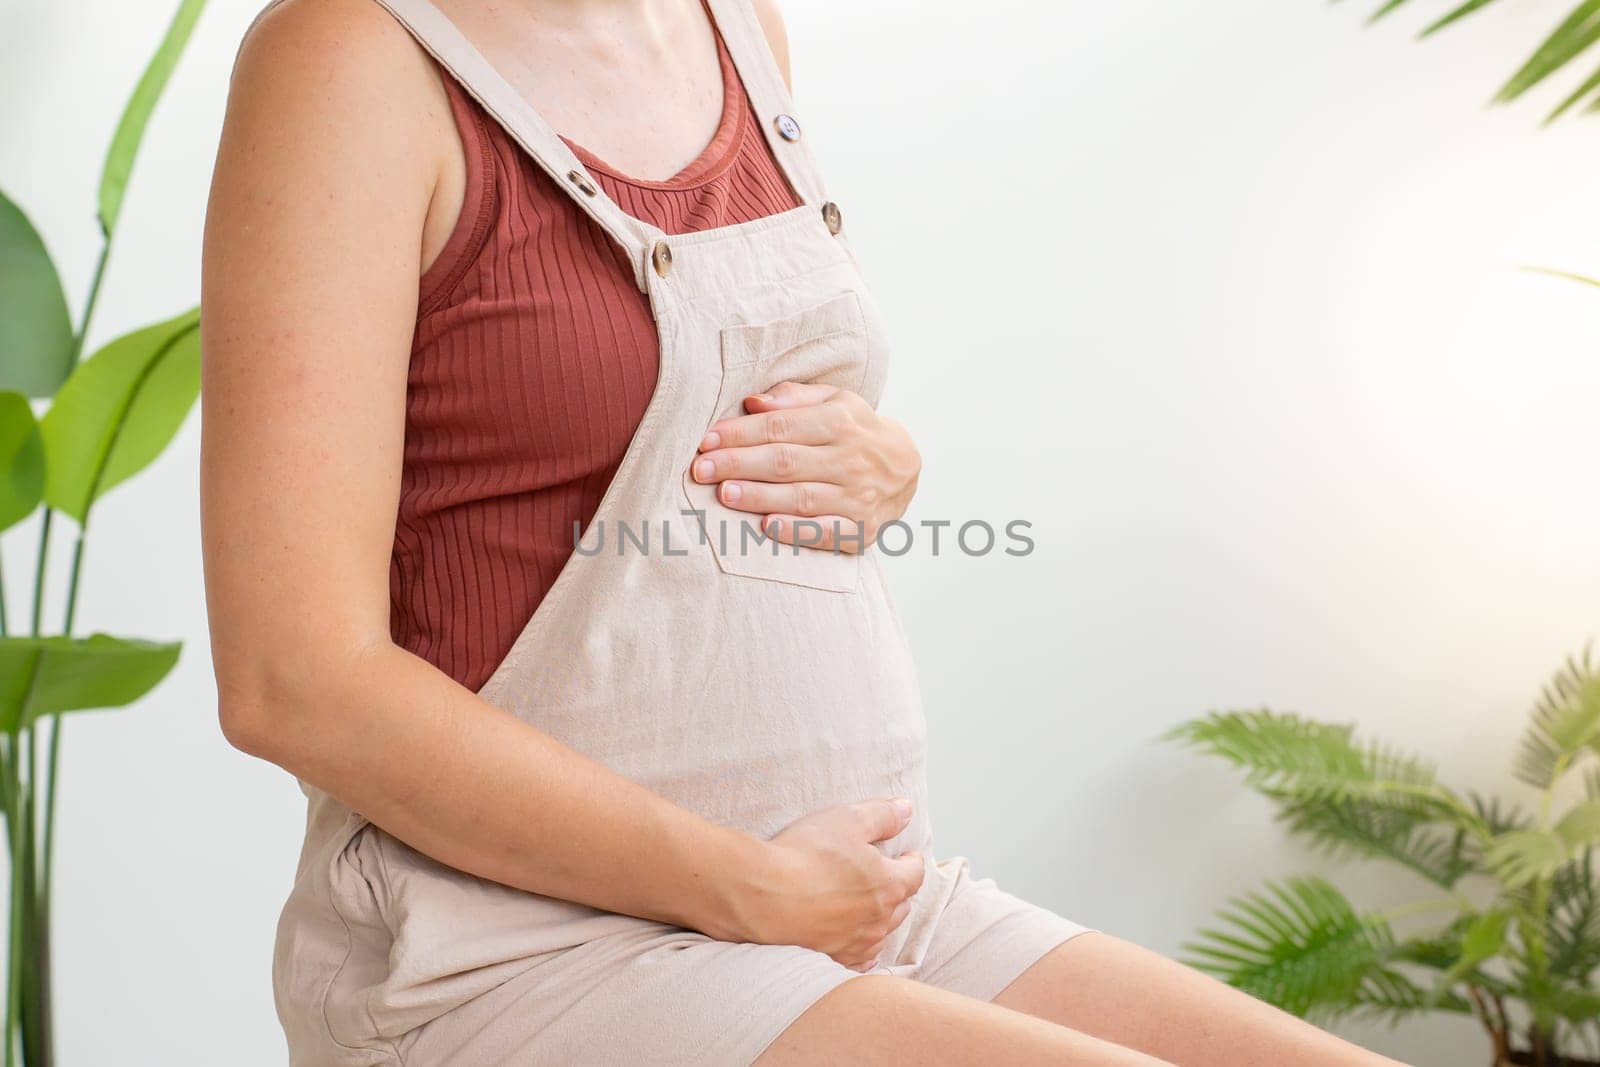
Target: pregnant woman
{"x":482,"y":274}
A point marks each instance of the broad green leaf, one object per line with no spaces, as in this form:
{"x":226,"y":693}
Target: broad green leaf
{"x":136,"y":116}
{"x":118,"y":411}
{"x":35,"y":326}
{"x":21,"y":460}
{"x":46,"y":675}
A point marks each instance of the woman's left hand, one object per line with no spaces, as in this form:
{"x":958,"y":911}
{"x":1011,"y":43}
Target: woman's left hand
{"x":815,"y":455}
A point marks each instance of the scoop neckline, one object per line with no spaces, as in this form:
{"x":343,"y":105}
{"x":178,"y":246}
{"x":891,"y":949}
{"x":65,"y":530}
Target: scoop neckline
{"x":718,"y":154}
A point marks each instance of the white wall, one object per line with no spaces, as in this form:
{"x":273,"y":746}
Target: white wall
{"x":1221,"y":297}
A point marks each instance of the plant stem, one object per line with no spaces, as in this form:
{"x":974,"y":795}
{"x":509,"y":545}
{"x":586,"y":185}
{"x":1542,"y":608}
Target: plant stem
{"x":14,"y":838}
{"x":1497,"y":1035}
{"x":23,"y":815}
{"x":89,"y":303}
{"x":56,"y":723}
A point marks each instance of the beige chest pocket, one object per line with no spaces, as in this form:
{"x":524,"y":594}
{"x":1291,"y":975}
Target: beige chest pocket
{"x":827,"y":343}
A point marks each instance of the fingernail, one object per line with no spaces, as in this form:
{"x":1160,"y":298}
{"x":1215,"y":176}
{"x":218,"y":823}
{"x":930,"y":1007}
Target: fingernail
{"x":731,"y":492}
{"x":902,"y":807}
{"x":765,"y":398}
{"x":713,"y":440}
{"x":704,"y":469}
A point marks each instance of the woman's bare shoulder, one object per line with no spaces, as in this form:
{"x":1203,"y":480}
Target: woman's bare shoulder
{"x":346,"y":60}
{"x":777,"y":35}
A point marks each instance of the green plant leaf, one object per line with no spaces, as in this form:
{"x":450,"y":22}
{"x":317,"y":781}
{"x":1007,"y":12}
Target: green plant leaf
{"x":1382,"y":827}
{"x":1575,"y":1003}
{"x":1485,"y":937}
{"x":48,"y":675}
{"x":136,"y":116}
{"x":21,"y":460}
{"x":35,"y":326}
{"x":1521,"y":856}
{"x":1302,"y":946}
{"x":1585,"y":88}
{"x":1454,"y":16}
{"x":1580,"y":826}
{"x":1388,"y":7}
{"x":1574,"y":37}
{"x":1482,"y":939}
{"x":1582,"y":279}
{"x":118,"y":410}
{"x":1574,"y":921}
{"x":1579,"y":30}
{"x":1296,"y":760}
{"x":1565,"y":722}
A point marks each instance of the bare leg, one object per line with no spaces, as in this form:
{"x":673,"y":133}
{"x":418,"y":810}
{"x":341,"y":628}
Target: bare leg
{"x":877,"y":1019}
{"x":1120,"y":992}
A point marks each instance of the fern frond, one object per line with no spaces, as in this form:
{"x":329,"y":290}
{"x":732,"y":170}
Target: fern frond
{"x":1522,"y":856}
{"x":1497,"y":816}
{"x":1574,"y":922}
{"x":1381,"y":828}
{"x":1301,"y":946}
{"x":1565,"y":722}
{"x":1390,"y":996}
{"x":1294,"y":760}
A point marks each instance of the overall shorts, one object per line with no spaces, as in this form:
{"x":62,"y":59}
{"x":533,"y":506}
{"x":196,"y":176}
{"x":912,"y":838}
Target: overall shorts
{"x":749,"y":682}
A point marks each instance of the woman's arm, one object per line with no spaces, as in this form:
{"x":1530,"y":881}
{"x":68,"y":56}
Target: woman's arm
{"x":336,"y":133}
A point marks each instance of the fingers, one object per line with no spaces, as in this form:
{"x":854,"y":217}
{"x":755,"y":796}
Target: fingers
{"x":882,"y":819}
{"x":909,"y":870}
{"x":768,"y":463}
{"x":872,"y":954}
{"x":786,"y":395}
{"x":875,"y":950}
{"x":802,"y":426}
{"x":809,"y":499}
{"x":833,"y":533}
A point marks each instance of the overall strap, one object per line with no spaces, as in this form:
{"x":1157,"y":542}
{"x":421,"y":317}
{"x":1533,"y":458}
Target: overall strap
{"x":763,"y":82}
{"x":462,"y":60}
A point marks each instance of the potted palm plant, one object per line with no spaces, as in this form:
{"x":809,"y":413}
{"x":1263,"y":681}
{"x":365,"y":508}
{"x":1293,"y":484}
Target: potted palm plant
{"x":1509,"y":931}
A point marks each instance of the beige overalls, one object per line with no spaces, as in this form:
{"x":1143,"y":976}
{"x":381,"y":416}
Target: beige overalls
{"x":748,"y":682}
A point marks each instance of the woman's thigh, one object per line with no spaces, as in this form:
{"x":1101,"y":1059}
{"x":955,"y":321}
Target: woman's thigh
{"x":1125,"y":994}
{"x":883,"y":1019}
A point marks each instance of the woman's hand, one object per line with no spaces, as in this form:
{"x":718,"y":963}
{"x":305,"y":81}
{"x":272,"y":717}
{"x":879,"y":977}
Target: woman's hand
{"x":832,"y":890}
{"x":823,"y":467}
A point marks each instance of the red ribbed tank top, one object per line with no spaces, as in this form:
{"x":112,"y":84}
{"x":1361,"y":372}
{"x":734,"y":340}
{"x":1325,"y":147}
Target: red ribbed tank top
{"x":533,"y":360}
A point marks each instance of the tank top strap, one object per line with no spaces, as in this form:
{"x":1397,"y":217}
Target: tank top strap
{"x":747,"y":42}
{"x":461,"y":59}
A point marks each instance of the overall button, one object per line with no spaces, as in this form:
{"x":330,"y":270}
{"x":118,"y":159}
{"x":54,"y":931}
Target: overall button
{"x":585,"y":186}
{"x":831,"y":216}
{"x":661,"y":258}
{"x":787,"y":127}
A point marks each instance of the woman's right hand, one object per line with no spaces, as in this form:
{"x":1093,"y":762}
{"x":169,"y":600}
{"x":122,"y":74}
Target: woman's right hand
{"x":836,"y":893}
